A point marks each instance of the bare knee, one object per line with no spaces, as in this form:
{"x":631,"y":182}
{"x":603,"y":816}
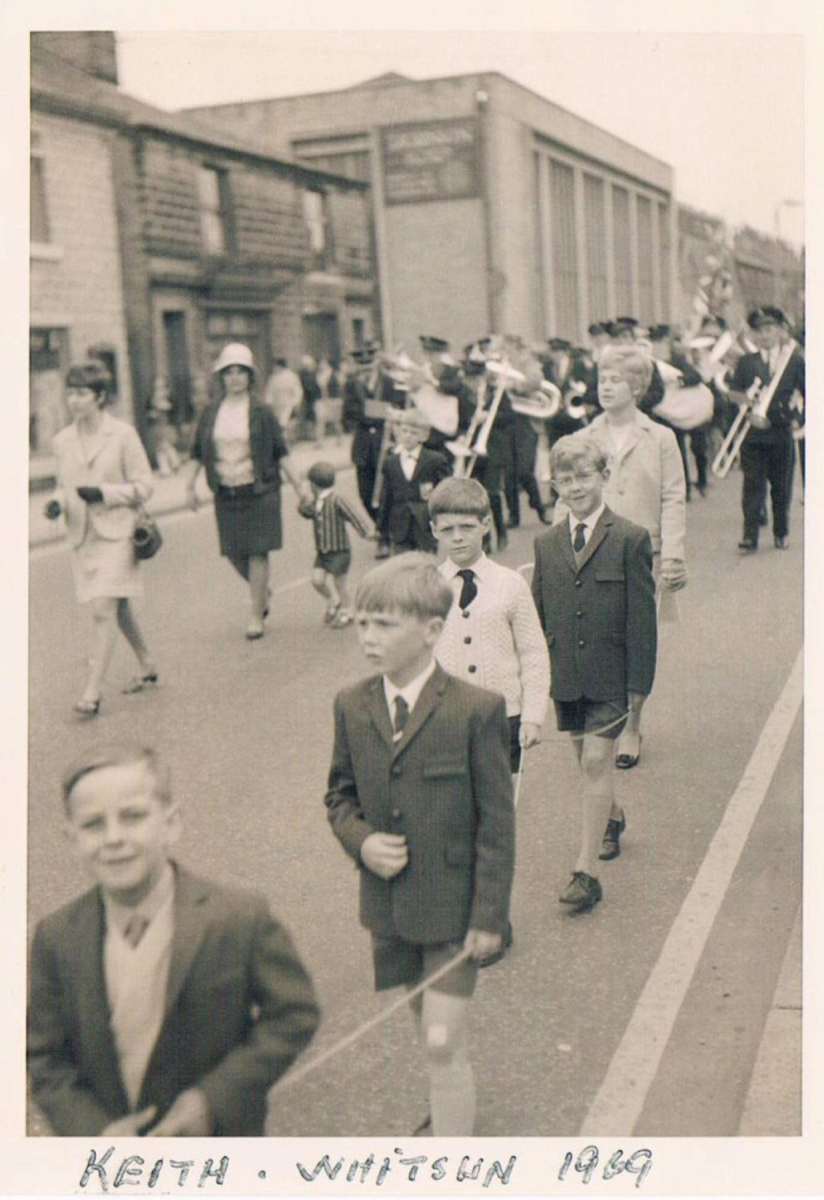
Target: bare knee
{"x":596,"y":757}
{"x":104,"y":611}
{"x":440,"y":1043}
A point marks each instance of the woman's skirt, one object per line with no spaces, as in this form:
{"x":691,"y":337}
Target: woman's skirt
{"x":248,"y":523}
{"x":104,"y":569}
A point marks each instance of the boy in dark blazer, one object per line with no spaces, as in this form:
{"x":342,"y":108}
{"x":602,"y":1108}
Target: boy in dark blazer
{"x":159,"y":1003}
{"x":420,"y":796}
{"x":595,"y":594}
{"x":409,"y":477}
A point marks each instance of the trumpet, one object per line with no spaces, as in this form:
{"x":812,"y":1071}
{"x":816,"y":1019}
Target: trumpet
{"x":757,"y":400}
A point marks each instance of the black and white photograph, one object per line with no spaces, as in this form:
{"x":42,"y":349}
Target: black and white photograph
{"x":412,"y":633}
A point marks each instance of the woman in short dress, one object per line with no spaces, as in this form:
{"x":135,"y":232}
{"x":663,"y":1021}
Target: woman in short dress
{"x":241,"y":447}
{"x":103,"y":476}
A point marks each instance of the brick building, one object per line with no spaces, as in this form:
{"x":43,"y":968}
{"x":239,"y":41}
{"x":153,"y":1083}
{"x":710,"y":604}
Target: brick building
{"x":172,"y":236}
{"x":495,"y":209}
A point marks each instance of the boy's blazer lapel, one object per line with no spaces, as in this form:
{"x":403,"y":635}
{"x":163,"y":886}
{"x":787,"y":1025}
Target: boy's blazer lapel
{"x":378,"y":709}
{"x":191,"y":920}
{"x":598,"y":534}
{"x":92,"y":997}
{"x":428,"y":701}
{"x":565,"y":539}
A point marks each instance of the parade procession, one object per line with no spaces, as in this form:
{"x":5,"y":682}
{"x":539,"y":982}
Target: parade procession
{"x":446,"y":812}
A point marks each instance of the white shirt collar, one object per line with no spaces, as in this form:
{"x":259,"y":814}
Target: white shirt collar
{"x":410,"y":453}
{"x":591,"y":521}
{"x":411,"y":693}
{"x":161,"y":895}
{"x":480,"y":567}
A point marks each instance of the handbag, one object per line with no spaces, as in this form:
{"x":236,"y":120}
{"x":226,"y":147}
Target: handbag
{"x":147,"y":538}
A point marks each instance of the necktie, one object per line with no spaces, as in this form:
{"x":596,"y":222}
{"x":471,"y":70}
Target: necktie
{"x":136,"y":926}
{"x":401,"y":714}
{"x":579,"y":541}
{"x":469,"y":588}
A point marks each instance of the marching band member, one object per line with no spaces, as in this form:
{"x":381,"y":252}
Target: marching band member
{"x":360,"y":417}
{"x":663,"y":342}
{"x":526,"y":449}
{"x":767,"y":452}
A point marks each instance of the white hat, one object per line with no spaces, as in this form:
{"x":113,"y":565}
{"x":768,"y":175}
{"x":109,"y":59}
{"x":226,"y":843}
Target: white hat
{"x":234,"y":355}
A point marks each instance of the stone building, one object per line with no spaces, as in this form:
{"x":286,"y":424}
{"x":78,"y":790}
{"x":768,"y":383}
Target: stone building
{"x":495,"y":209}
{"x":160,"y":237}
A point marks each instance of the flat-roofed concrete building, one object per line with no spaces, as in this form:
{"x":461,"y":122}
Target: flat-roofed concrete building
{"x":495,"y":210}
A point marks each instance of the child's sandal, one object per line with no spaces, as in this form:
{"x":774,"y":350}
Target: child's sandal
{"x":342,"y":620}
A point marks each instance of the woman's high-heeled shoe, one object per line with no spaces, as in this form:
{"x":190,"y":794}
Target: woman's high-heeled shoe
{"x":87,"y":708}
{"x":140,"y":683}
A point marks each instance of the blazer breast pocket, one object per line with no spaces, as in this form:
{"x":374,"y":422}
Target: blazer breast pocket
{"x":443,"y":768}
{"x":610,"y":575}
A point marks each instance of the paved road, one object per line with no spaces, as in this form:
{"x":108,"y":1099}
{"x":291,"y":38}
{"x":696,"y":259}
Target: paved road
{"x":247,"y":728}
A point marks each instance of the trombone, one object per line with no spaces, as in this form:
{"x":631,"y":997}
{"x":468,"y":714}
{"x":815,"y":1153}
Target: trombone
{"x":473,"y":445}
{"x":757,"y":400}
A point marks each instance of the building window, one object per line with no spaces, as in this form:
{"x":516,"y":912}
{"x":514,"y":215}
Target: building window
{"x":664,"y":249}
{"x":213,"y":198}
{"x":316,"y":216}
{"x":39,"y":211}
{"x":564,"y":250}
{"x":646,"y":277}
{"x":623,"y":250}
{"x":596,"y":247}
{"x":358,"y":332}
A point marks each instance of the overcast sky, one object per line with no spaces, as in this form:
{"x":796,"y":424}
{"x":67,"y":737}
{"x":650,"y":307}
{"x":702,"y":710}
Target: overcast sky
{"x":726,"y":110}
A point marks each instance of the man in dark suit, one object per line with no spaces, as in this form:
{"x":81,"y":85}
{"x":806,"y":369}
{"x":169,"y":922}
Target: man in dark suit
{"x":595,"y":594}
{"x":409,"y":477}
{"x":158,"y":1001}
{"x":420,"y":796}
{"x":767,"y":453}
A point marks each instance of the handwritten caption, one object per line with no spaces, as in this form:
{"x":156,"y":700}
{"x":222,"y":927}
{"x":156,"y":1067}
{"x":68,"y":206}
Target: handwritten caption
{"x":107,"y":1174}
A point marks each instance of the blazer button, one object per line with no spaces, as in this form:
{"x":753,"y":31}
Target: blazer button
{"x":581,"y":643}
{"x":579,"y":613}
{"x":397,"y":814}
{"x":472,"y":669}
{"x":468,"y":641}
{"x":578,"y":583}
{"x":396,"y":769}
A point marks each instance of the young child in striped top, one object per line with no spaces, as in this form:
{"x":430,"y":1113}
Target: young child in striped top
{"x":329,"y":513}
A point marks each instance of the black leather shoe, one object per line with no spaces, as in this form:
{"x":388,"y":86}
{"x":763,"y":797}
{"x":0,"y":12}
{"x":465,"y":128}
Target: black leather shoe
{"x":611,"y":846}
{"x":545,"y":516}
{"x":491,"y":959}
{"x":624,"y":761}
{"x":382,"y":550}
{"x":782,"y":543}
{"x":582,"y":892}
{"x":747,"y":546}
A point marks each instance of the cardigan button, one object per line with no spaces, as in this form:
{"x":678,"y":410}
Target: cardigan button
{"x":468,"y":641}
{"x":472,"y":669}
{"x":581,"y":643}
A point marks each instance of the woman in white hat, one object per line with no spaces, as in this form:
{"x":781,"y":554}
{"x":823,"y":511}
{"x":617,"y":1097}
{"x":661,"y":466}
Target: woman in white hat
{"x":241,"y":447}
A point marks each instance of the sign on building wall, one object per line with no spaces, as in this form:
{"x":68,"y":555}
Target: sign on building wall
{"x":430,"y":160}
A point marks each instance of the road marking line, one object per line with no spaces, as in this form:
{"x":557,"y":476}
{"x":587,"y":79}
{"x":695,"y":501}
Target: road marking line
{"x":622,"y":1095}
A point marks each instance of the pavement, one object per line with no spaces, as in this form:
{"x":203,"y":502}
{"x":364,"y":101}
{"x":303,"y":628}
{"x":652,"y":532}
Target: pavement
{"x":169,"y":490}
{"x":247,"y":729}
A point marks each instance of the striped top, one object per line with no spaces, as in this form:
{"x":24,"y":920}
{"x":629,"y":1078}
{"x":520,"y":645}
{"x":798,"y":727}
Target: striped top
{"x":330,"y":515}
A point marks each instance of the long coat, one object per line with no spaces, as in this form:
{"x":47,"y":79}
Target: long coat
{"x":445,"y":785}
{"x":116,"y":463}
{"x":239,"y":1009}
{"x":598,"y":614}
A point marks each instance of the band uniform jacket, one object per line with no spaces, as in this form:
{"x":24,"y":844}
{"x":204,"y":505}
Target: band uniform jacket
{"x":780,"y":413}
{"x":598,"y":613}
{"x":445,"y":785}
{"x":116,"y":463}
{"x":403,"y":515}
{"x":239,"y":1009}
